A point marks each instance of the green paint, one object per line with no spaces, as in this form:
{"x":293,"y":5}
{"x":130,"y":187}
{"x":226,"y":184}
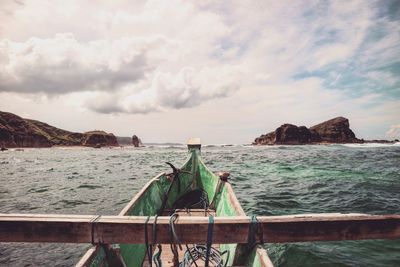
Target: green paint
{"x":195,"y":174}
{"x":99,"y":258}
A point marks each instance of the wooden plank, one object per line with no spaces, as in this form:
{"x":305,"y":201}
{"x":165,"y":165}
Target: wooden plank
{"x":194,"y":143}
{"x":87,"y":256}
{"x":129,"y":229}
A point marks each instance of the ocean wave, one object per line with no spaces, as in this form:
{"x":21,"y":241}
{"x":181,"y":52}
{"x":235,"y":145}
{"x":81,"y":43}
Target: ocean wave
{"x":217,"y":145}
{"x":371,"y":145}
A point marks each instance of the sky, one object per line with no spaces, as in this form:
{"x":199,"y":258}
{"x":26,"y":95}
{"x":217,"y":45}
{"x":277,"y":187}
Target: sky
{"x":224,"y":71}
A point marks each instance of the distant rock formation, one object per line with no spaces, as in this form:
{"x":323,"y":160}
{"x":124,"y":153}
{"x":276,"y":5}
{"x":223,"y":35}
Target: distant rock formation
{"x":124,"y":140}
{"x":18,"y":132}
{"x":99,"y":139}
{"x":136,"y":142}
{"x":336,"y":130}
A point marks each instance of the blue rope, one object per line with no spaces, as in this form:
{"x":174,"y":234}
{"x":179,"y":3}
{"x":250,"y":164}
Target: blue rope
{"x":209,"y":238}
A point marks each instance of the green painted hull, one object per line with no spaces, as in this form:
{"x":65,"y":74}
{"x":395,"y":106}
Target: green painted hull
{"x":149,"y":201}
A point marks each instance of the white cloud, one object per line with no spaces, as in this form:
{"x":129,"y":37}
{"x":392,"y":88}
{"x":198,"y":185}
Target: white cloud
{"x":394,"y":132}
{"x":157,"y":58}
{"x":187,"y":88}
{"x":62,"y":64}
{"x":382,"y":77}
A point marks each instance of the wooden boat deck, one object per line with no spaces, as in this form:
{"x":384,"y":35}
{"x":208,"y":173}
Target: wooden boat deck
{"x":167,"y":255}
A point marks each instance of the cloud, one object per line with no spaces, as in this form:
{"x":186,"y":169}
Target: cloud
{"x":394,"y":132}
{"x":62,"y":64}
{"x":187,"y":88}
{"x":383,"y":78}
{"x":134,"y":61}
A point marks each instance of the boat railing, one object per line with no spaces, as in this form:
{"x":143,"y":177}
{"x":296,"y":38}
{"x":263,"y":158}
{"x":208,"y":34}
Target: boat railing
{"x":129,"y":229}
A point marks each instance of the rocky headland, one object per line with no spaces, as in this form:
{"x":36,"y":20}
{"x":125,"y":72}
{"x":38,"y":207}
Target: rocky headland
{"x":19,"y":132}
{"x":336,"y":130}
{"x":99,"y":138}
{"x":136,"y":142}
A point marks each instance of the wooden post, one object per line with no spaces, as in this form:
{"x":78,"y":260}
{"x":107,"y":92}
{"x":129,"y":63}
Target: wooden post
{"x":194,"y":143}
{"x":130,"y":229}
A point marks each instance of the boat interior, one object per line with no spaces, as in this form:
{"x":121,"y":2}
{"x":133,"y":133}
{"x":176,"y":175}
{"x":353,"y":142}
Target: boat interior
{"x":192,"y":190}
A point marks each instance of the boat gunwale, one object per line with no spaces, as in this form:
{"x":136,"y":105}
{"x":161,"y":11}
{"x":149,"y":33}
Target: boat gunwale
{"x":261,"y":252}
{"x":88,"y":256}
{"x":138,"y":195}
{"x":91,"y":252}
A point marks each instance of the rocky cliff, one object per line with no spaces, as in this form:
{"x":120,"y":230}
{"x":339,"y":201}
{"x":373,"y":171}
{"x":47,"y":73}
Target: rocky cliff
{"x":99,"y":139}
{"x":336,"y":130}
{"x":19,"y":132}
{"x":136,"y":142}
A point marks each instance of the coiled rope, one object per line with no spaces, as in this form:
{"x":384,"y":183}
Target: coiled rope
{"x":206,"y":252}
{"x":199,"y":252}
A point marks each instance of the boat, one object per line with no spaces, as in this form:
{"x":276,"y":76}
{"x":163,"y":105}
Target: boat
{"x":182,"y":206}
{"x":192,"y":190}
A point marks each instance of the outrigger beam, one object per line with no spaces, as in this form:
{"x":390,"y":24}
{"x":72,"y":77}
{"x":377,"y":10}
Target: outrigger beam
{"x":130,"y":229}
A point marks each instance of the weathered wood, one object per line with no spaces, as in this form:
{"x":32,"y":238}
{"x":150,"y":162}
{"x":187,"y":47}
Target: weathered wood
{"x":87,"y":256}
{"x":129,"y":229}
{"x":194,"y":143}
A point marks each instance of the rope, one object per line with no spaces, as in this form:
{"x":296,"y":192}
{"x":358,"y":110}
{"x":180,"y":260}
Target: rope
{"x":174,"y":238}
{"x":155,"y":230}
{"x":204,"y":252}
{"x":149,"y":248}
{"x":199,"y":252}
{"x":190,"y":199}
{"x":191,"y":256}
{"x":156,"y":257}
{"x":209,"y":238}
{"x":260,"y":233}
{"x":254,"y":229}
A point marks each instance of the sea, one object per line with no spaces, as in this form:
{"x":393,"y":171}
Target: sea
{"x":268,"y":180}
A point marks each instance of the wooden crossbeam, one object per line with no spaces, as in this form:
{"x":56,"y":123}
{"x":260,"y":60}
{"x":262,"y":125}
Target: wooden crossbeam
{"x":130,"y":229}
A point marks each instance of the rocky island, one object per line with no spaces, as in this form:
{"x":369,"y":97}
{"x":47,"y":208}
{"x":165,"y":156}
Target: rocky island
{"x":136,"y":142}
{"x":336,"y":130}
{"x":19,"y":132}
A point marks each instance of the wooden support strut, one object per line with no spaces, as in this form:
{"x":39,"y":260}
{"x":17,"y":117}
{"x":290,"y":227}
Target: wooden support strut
{"x":129,"y":229}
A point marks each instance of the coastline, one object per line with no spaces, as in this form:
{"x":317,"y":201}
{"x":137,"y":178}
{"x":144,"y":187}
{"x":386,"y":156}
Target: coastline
{"x":161,"y":145}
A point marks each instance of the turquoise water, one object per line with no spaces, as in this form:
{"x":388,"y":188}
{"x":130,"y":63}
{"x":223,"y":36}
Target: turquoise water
{"x":274,"y":180}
